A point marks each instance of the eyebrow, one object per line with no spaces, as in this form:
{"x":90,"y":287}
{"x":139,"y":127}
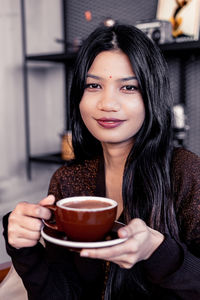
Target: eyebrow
{"x":128,"y":78}
{"x":120,"y":79}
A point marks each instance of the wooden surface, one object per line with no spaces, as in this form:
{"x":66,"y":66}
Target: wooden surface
{"x":4,"y":269}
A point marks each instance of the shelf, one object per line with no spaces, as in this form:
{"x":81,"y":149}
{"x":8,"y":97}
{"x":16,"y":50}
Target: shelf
{"x":48,"y":158}
{"x":181,"y":47}
{"x":53,"y":57}
{"x":178,"y":47}
{"x":189,"y":47}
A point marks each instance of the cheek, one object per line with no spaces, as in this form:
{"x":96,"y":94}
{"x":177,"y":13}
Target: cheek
{"x":141,"y":118}
{"x":137,"y":109}
{"x":84,"y":108}
{"x":142,"y":114}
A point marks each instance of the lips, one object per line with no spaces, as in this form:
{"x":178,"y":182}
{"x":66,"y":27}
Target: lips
{"x":109,"y":123}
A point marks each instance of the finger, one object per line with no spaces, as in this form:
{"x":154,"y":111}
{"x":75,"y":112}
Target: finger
{"x":21,"y":243}
{"x":134,"y":227}
{"x":15,"y":234}
{"x":31,"y":210}
{"x":25,"y":234}
{"x":48,"y":200}
{"x":108,"y":253}
{"x":28,"y":223}
{"x":125,"y":263}
{"x":27,"y":227}
{"x":123,"y":233}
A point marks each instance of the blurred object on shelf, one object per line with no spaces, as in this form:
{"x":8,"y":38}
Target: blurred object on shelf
{"x":71,"y":47}
{"x":109,"y":22}
{"x":66,"y":146}
{"x":184,"y":16}
{"x":88,"y":15}
{"x":180,"y":127}
{"x":77,"y":43}
{"x":159,"y":31}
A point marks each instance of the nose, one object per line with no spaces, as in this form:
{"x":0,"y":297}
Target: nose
{"x":108,"y":101}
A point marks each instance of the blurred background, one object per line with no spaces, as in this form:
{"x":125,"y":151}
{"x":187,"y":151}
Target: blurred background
{"x":39,"y":41}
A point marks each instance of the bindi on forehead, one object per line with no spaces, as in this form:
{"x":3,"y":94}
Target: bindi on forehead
{"x":110,"y":76}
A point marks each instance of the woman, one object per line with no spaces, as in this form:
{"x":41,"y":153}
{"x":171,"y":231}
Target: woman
{"x":122,"y":141}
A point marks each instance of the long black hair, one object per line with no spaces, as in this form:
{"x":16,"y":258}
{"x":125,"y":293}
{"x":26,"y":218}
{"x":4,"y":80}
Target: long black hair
{"x":147,"y":188}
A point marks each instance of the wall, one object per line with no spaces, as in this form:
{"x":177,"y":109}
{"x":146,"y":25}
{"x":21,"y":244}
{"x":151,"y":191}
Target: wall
{"x":11,"y":92}
{"x":44,"y":24}
{"x":46,"y":101}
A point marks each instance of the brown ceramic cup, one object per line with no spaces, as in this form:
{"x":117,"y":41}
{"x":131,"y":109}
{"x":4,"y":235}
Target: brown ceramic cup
{"x":83,"y":218}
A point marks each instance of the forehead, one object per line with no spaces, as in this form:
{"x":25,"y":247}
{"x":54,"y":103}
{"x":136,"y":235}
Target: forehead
{"x":111,"y":63}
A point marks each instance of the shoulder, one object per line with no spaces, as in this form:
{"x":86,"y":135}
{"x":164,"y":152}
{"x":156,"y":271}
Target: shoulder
{"x":185,"y":161}
{"x":185,"y":170}
{"x":75,"y":178}
{"x":186,"y":190}
{"x":185,"y":173}
{"x":184,"y":154}
{"x":75,"y":168}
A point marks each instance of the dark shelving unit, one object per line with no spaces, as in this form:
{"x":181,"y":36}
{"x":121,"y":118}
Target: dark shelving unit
{"x":182,"y":48}
{"x":66,"y":58}
{"x":48,"y":158}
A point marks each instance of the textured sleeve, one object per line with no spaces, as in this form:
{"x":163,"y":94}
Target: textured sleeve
{"x":42,"y":278}
{"x":175,"y":266}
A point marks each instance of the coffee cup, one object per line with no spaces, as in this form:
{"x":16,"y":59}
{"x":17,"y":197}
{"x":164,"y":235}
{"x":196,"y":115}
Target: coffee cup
{"x":83,"y":218}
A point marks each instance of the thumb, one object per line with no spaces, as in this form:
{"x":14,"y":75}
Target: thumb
{"x":47,"y":200}
{"x":123,"y":233}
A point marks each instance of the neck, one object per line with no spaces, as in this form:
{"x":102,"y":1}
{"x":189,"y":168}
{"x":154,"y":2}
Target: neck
{"x":115,"y":155}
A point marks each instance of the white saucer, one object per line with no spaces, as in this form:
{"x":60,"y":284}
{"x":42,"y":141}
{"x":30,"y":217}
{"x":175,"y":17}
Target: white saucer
{"x":59,"y":238}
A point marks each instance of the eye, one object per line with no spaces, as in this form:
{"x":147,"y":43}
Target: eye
{"x":92,"y":86}
{"x":129,"y":88}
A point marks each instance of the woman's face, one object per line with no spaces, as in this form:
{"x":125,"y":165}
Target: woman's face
{"x":112,"y":107}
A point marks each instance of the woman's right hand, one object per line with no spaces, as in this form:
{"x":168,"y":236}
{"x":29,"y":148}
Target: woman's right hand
{"x":25,"y":222}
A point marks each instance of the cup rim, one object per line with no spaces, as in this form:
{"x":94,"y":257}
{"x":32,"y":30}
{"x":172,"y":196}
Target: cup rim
{"x":112,"y":202}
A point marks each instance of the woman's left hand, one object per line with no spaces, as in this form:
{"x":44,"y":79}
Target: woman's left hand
{"x":141,"y":242}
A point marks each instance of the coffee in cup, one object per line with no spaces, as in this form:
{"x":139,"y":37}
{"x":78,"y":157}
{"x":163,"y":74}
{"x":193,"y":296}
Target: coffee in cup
{"x":84,"y":218}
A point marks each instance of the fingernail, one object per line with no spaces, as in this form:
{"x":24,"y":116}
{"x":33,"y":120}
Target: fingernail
{"x":123,"y":233}
{"x":84,"y":253}
{"x":51,"y":197}
{"x":38,"y":211}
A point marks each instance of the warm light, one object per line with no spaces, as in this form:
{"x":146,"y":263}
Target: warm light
{"x":88,"y":15}
{"x":109,"y":22}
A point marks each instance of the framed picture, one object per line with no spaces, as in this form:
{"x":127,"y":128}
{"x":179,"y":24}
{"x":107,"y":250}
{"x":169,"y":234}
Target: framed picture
{"x":184,"y":16}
